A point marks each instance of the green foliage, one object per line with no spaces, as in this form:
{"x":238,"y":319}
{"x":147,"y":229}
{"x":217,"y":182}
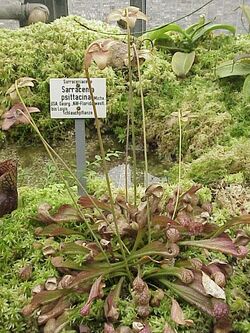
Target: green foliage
{"x":218,"y":163}
{"x":239,"y":66}
{"x":189,"y":36}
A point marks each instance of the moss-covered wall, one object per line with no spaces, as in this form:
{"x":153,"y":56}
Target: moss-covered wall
{"x":214,"y":112}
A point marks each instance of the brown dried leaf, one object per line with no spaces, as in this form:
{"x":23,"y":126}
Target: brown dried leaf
{"x":56,"y":311}
{"x":25,"y":272}
{"x":177,"y":315}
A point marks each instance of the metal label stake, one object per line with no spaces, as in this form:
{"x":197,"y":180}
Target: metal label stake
{"x":70,"y":98}
{"x":80,"y":138}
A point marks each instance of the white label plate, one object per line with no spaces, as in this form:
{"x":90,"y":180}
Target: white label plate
{"x":70,"y":98}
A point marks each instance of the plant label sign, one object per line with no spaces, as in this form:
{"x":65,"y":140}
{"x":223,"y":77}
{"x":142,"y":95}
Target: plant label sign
{"x":70,"y":98}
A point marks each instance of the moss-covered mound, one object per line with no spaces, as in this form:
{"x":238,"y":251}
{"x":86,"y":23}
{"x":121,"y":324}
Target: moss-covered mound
{"x":213,"y":110}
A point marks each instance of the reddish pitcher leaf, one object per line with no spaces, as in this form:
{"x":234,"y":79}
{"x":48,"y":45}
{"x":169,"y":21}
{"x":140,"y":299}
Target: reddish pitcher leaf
{"x":56,"y":230}
{"x":223,"y":243}
{"x":59,"y":262}
{"x":110,"y":306}
{"x":91,"y":202}
{"x":95,"y":292}
{"x":159,"y":249}
{"x":65,"y":213}
{"x":192,"y":296}
{"x":44,"y":297}
{"x":56,"y":311}
{"x":17,"y":115}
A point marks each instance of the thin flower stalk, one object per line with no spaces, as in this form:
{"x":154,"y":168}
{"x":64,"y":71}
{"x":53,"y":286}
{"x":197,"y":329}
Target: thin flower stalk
{"x":121,"y":243}
{"x":50,"y":152}
{"x":179,"y":164}
{"x":144,"y":137}
{"x":131,"y":109}
{"x":126,"y":158}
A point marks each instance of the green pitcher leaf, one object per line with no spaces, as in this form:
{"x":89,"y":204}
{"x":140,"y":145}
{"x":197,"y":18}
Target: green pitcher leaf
{"x":73,"y":248}
{"x":182,"y":63}
{"x":235,"y":221}
{"x":59,"y":262}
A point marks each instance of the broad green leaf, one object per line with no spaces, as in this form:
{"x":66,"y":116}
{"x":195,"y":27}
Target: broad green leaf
{"x":208,"y":28}
{"x":159,"y":32}
{"x":230,"y":68}
{"x":246,"y":89}
{"x":243,"y":57}
{"x":182,"y":63}
{"x":195,"y":26}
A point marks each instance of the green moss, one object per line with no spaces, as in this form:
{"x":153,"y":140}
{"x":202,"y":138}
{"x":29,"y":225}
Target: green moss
{"x":17,"y":250}
{"x":221,"y":162}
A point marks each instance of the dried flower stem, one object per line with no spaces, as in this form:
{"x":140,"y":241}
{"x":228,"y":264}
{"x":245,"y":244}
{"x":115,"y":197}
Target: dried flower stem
{"x":144,"y":138}
{"x":179,"y":164}
{"x":131,"y":111}
{"x":50,"y":152}
{"x":98,"y":128}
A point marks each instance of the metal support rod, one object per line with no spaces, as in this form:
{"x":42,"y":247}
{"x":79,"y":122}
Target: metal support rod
{"x":80,"y":153}
{"x":140,"y":25}
{"x":12,"y":10}
{"x":15,"y":10}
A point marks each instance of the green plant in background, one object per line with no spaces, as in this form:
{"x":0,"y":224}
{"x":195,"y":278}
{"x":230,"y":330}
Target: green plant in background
{"x":246,"y":13}
{"x":239,"y":66}
{"x":182,"y":60}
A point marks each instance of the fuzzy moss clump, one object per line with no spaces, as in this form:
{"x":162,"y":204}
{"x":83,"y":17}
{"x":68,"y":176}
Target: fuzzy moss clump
{"x":213,"y":110}
{"x":221,"y":162}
